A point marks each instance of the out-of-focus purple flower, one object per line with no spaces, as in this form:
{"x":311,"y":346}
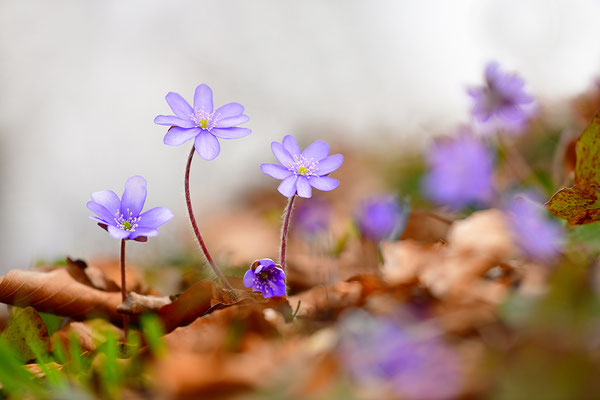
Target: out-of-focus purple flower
{"x":460,"y":172}
{"x":502,"y":104}
{"x":266,"y":277}
{"x":312,"y":217}
{"x":378,"y":352}
{"x":123,"y":218}
{"x":300,"y":171}
{"x":538,"y":236}
{"x":382,"y":218}
{"x":202,"y":122}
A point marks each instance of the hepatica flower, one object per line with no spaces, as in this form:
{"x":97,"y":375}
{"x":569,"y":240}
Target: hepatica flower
{"x":202,"y":123}
{"x":123,"y":218}
{"x":380,"y":352}
{"x":539,"y":237}
{"x":502,"y":104}
{"x":266,"y":277}
{"x":460,"y":172}
{"x":382,"y":218}
{"x":312,"y":217}
{"x":300,"y":171}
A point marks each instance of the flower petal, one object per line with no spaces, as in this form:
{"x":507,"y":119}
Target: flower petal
{"x":230,"y":133}
{"x":118,"y":233}
{"x":145,"y":232}
{"x":287,"y":187}
{"x":274,"y":170}
{"x":172,"y":120}
{"x":176,"y":135}
{"x":324,"y":183}
{"x":304,"y":189}
{"x":290,"y":144}
{"x":316,"y":151}
{"x":249,"y":278}
{"x":155,"y":217}
{"x":229,"y":110}
{"x":101,"y":211}
{"x":278,"y":288}
{"x":108,"y":199}
{"x":207,"y":146}
{"x":203,"y":99}
{"x":134,"y":196}
{"x":330,"y":164}
{"x":180,"y":107}
{"x":232,"y":121}
{"x":282,"y":155}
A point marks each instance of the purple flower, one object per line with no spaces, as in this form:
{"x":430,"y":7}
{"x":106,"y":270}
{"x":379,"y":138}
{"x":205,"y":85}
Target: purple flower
{"x":300,"y":171}
{"x":123,"y":218}
{"x":202,"y":123}
{"x":266,"y":277}
{"x":382,"y":218}
{"x":538,"y":236}
{"x":312,"y":217}
{"x":461,"y":172}
{"x":502,"y":104}
{"x":379,"y":352}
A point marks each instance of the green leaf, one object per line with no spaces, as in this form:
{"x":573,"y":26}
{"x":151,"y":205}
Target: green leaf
{"x":26,"y":331}
{"x":587,"y":168}
{"x":578,"y":205}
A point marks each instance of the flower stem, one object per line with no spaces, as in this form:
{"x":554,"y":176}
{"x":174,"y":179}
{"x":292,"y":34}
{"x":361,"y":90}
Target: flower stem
{"x":188,"y":201}
{"x":284,"y":232}
{"x":124,"y":291}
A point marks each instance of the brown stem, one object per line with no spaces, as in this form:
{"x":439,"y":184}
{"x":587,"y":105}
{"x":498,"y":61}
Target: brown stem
{"x":188,"y":201}
{"x":124,"y":291}
{"x":284,"y":232}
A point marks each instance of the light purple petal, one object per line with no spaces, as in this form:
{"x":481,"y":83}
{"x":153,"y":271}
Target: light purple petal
{"x":330,"y":164}
{"x":180,"y":107}
{"x":282,"y":155}
{"x":230,"y":133}
{"x":108,"y":199}
{"x":267,"y":262}
{"x":324,"y":183}
{"x":101,"y":211}
{"x":287,"y":187}
{"x":304,"y":189}
{"x":203,"y":99}
{"x":134,"y":196}
{"x":229,"y":110}
{"x":275,"y":170}
{"x":207,"y":146}
{"x":145,"y":232}
{"x":171,"y":120}
{"x":100,"y":221}
{"x":278,"y":288}
{"x":316,"y":151}
{"x":232,"y":121}
{"x":249,"y":278}
{"x":176,"y":136}
{"x":155,"y":217}
{"x":290,"y":144}
{"x":117,"y":233}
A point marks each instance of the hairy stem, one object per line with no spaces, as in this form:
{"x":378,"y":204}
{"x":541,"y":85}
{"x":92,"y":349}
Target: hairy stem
{"x":188,"y":201}
{"x":124,"y":291}
{"x":284,"y":232}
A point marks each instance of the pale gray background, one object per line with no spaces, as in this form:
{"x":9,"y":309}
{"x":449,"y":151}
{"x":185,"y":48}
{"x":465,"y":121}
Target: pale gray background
{"x":81,"y":81}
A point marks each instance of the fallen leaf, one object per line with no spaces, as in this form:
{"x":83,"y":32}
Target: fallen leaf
{"x":136,"y":304}
{"x":26,"y":333}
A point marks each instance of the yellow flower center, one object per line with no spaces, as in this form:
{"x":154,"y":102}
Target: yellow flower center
{"x":203,"y":123}
{"x":126,"y":225}
{"x":302,"y":170}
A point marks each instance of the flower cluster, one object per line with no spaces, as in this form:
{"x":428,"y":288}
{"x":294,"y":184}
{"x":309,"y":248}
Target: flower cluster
{"x":202,"y":123}
{"x":123,"y":218}
{"x":460,"y":172}
{"x":266,"y":277}
{"x":502,"y":104}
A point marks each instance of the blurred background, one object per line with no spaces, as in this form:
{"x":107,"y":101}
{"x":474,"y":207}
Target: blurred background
{"x":81,"y":82}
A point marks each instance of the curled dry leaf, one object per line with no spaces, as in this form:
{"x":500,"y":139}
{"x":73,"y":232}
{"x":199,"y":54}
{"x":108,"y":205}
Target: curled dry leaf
{"x":57,"y":292}
{"x":136,"y":304}
{"x":326,"y":302}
